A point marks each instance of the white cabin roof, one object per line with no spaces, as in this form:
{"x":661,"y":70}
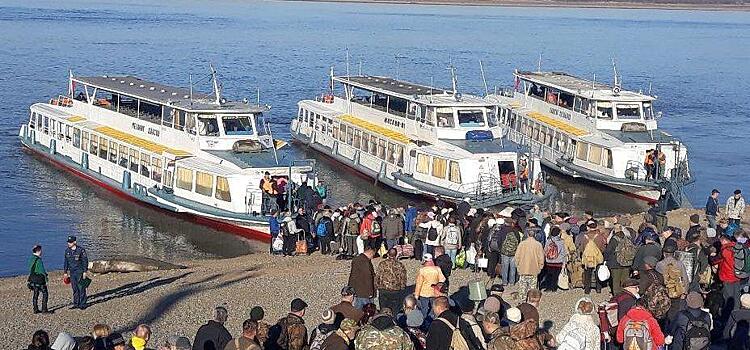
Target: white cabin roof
{"x":421,"y":94}
{"x":584,"y":88}
{"x":203,"y":165}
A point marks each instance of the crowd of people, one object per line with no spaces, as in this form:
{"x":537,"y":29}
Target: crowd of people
{"x":682,"y":287}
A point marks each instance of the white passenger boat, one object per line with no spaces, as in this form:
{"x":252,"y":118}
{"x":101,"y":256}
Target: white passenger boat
{"x":419,"y":139}
{"x":197,"y":155}
{"x":587,"y":129}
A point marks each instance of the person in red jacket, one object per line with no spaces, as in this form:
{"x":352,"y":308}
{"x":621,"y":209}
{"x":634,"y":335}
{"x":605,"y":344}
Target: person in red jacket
{"x":639,"y":313}
{"x":366,"y":230}
{"x":731,"y":284}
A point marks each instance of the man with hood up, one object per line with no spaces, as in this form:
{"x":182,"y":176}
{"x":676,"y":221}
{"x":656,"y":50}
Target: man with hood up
{"x":581,"y":331}
{"x":64,"y":341}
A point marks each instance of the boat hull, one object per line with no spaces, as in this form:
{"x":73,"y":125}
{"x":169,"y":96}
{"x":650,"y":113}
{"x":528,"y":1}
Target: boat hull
{"x":256,"y":231}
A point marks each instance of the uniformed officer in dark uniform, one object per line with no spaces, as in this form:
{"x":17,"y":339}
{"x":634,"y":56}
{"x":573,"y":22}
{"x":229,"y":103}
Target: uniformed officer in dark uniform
{"x":76,"y":264}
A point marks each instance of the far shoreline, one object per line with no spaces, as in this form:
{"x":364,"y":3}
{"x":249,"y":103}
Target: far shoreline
{"x":624,"y":5}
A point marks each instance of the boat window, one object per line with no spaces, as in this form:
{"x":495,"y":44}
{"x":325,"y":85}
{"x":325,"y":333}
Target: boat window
{"x":439,"y":166}
{"x":628,"y":111}
{"x":222,"y":189}
{"x":535,"y":132}
{"x":85,"y":141}
{"x":604,"y":110}
{"x":300,"y":113}
{"x":207,"y":126}
{"x":582,"y":151}
{"x":123,"y":162}
{"x":391,"y":153}
{"x":149,"y":112}
{"x":364,"y":146}
{"x":167,"y":119}
{"x":454,"y":175}
{"x":67,"y":133}
{"x":429,"y":117}
{"x":349,"y":136}
{"x":445,"y":118}
{"x":423,"y":163}
{"x":548,"y":138}
{"x":190,"y":122}
{"x":471,"y":118}
{"x":342,"y":132}
{"x":607,"y":158}
{"x":648,"y":111}
{"x":310,"y":119}
{"x":76,"y":137}
{"x":46,"y":125}
{"x":145,"y":163}
{"x":552,"y":96}
{"x":184,"y":179}
{"x":397,"y":106}
{"x":204,"y":183}
{"x":374,"y":145}
{"x":113,"y":152}
{"x":595,"y":154}
{"x":129,"y":106}
{"x":168,"y":175}
{"x":492,"y":118}
{"x":335,"y":130}
{"x":413,"y":110}
{"x":156,"y":169}
{"x":106,"y":99}
{"x":399,"y":155}
{"x":537,"y":91}
{"x":134,"y":160}
{"x":361,"y":96}
{"x":357,"y":139}
{"x":381,"y":149}
{"x":379,"y":101}
{"x":237,"y":125}
{"x":39,"y":121}
{"x":94,"y":145}
{"x":179,"y":118}
{"x":565,"y":101}
{"x":103,"y":148}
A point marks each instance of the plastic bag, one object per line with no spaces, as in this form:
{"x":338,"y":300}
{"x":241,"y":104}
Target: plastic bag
{"x":461,"y":259}
{"x":471,"y":255}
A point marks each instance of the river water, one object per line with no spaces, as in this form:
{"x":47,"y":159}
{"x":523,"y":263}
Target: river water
{"x":695,"y":61}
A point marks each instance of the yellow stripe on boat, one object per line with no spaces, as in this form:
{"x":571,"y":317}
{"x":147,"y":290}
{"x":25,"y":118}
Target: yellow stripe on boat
{"x":150,"y":146}
{"x":75,"y":119}
{"x":559,"y":124}
{"x":376,"y":129}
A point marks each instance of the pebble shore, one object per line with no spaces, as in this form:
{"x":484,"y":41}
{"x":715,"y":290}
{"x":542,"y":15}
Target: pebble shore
{"x":180,"y":301}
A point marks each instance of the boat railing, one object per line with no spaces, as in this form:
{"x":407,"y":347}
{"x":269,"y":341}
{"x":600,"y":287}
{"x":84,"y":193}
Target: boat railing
{"x":489,"y":190}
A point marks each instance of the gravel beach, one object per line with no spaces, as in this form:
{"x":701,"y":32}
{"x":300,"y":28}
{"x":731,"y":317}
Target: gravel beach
{"x":180,"y":301}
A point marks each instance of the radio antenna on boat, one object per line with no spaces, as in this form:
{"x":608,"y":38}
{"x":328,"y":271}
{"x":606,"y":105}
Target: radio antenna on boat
{"x":258,"y":96}
{"x":347,"y":63}
{"x":398,"y":65}
{"x":616,"y":88}
{"x":190,"y":80}
{"x":593,"y":85}
{"x":649,"y":88}
{"x":71,"y":84}
{"x":217,"y":88}
{"x":484,"y":80}
{"x":539,"y":63}
{"x":360,"y":67}
{"x":330,"y":81}
{"x":454,"y":81}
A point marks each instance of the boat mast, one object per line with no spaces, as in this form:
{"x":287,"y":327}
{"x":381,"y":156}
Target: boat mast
{"x":217,"y":88}
{"x":484,"y":80}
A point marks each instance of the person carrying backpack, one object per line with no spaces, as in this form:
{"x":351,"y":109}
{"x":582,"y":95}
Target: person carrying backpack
{"x":591,"y":245}
{"x":555,"y":256}
{"x":324,"y":231}
{"x":434,"y":236}
{"x":496,"y":232}
{"x":639,"y":330}
{"x":731,"y":284}
{"x":508,"y":248}
{"x":675,"y":276}
{"x":581,"y":332}
{"x":323,"y":330}
{"x":452,"y":235}
{"x":619,"y":255}
{"x":691,"y":329}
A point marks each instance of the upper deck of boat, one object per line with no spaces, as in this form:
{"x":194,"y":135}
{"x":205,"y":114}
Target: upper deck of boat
{"x":581,"y":87}
{"x":172,"y":96}
{"x":418,"y":93}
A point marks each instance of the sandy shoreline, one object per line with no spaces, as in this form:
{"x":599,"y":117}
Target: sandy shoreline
{"x":555,"y":4}
{"x":179,"y":301}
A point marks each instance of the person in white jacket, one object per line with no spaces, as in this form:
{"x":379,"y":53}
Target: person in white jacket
{"x":735,"y":207}
{"x":581,"y":331}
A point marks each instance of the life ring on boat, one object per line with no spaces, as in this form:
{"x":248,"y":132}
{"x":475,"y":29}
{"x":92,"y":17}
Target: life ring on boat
{"x":328,"y":99}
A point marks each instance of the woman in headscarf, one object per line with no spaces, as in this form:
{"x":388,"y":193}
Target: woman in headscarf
{"x":581,"y":331}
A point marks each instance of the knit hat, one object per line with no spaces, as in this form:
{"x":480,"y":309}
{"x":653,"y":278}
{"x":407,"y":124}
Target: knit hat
{"x":514,"y":314}
{"x":491,"y":222}
{"x":257,"y":313}
{"x":711,"y":232}
{"x":414,"y":318}
{"x":745,"y":301}
{"x":348,"y":325}
{"x":328,"y":317}
{"x":694,"y":300}
{"x":492,"y":305}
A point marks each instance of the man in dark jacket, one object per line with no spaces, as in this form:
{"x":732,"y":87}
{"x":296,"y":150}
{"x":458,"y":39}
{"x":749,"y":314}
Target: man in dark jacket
{"x":393,"y":228}
{"x":712,"y":208}
{"x":343,"y":338}
{"x":362,"y":278}
{"x":618,"y":272}
{"x":325,"y":232}
{"x":737,"y":330}
{"x":346,"y":309}
{"x":290,"y":332}
{"x":651,"y":248}
{"x":440,"y":334}
{"x":691,"y":325}
{"x":443,"y":261}
{"x":213,"y":335}
{"x":627,"y":298}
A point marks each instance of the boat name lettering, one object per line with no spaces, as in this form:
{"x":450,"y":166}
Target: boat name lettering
{"x":560,"y":113}
{"x":396,"y":123}
{"x":150,"y":131}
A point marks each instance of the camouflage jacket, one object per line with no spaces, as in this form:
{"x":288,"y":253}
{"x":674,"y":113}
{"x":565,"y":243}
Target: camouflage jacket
{"x":371,"y":337}
{"x":292,"y":333}
{"x":391,"y":275}
{"x":262,"y":334}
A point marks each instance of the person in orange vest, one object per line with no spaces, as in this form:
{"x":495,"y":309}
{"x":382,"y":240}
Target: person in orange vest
{"x":649,"y":164}
{"x":523,"y":176}
{"x":267,"y":186}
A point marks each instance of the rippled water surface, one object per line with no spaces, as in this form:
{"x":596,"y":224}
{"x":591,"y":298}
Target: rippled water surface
{"x":696,"y":62}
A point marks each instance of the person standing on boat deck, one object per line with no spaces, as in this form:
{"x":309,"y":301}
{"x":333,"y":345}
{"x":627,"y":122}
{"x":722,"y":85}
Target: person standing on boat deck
{"x":76,"y":265}
{"x":523,"y":176}
{"x":735,"y":208}
{"x":648,"y":163}
{"x":267,"y":185}
{"x":712,"y":208}
{"x":38,"y":280}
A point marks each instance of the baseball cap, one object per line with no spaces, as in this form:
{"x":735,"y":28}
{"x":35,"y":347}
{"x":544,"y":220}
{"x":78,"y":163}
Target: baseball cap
{"x":298,"y":305}
{"x":427,"y":257}
{"x":715,"y":191}
{"x":347,"y":291}
{"x":71,"y":239}
{"x":115,"y":339}
{"x":737,"y":192}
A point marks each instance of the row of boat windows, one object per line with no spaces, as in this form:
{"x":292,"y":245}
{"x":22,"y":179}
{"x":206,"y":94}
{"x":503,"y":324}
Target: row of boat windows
{"x":439,"y":167}
{"x":558,"y":140}
{"x":203,"y":183}
{"x":136,"y":108}
{"x":131,"y":158}
{"x":599,"y":109}
{"x":366,"y":142}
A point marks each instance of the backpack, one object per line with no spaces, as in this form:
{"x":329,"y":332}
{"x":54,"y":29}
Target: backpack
{"x":741,"y":261}
{"x":637,"y":336}
{"x":375,"y":228}
{"x":451,"y":235}
{"x":657,"y":299}
{"x":592,"y":256}
{"x":552,"y":252}
{"x":432,"y":234}
{"x":316,"y":343}
{"x":321,"y":231}
{"x":510,"y":244}
{"x":697,"y":334}
{"x":673,"y":281}
{"x":457,"y":339}
{"x":575,"y":339}
{"x":352,"y":227}
{"x":625,"y":252}
{"x":495,"y":243}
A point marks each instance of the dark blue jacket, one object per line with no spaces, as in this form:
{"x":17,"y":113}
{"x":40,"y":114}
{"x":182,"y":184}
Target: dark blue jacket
{"x":409,"y":217}
{"x":76,"y":260}
{"x":274,"y":226}
{"x":712,"y":206}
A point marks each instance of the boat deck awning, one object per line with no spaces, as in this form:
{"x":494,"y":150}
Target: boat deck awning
{"x":150,"y":146}
{"x":377,"y":129}
{"x":557,"y":124}
{"x":76,"y":119}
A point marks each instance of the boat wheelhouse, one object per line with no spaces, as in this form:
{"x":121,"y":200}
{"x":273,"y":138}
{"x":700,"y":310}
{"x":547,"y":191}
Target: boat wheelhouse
{"x":182,"y":151}
{"x":587,"y":129}
{"x":419,"y":139}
